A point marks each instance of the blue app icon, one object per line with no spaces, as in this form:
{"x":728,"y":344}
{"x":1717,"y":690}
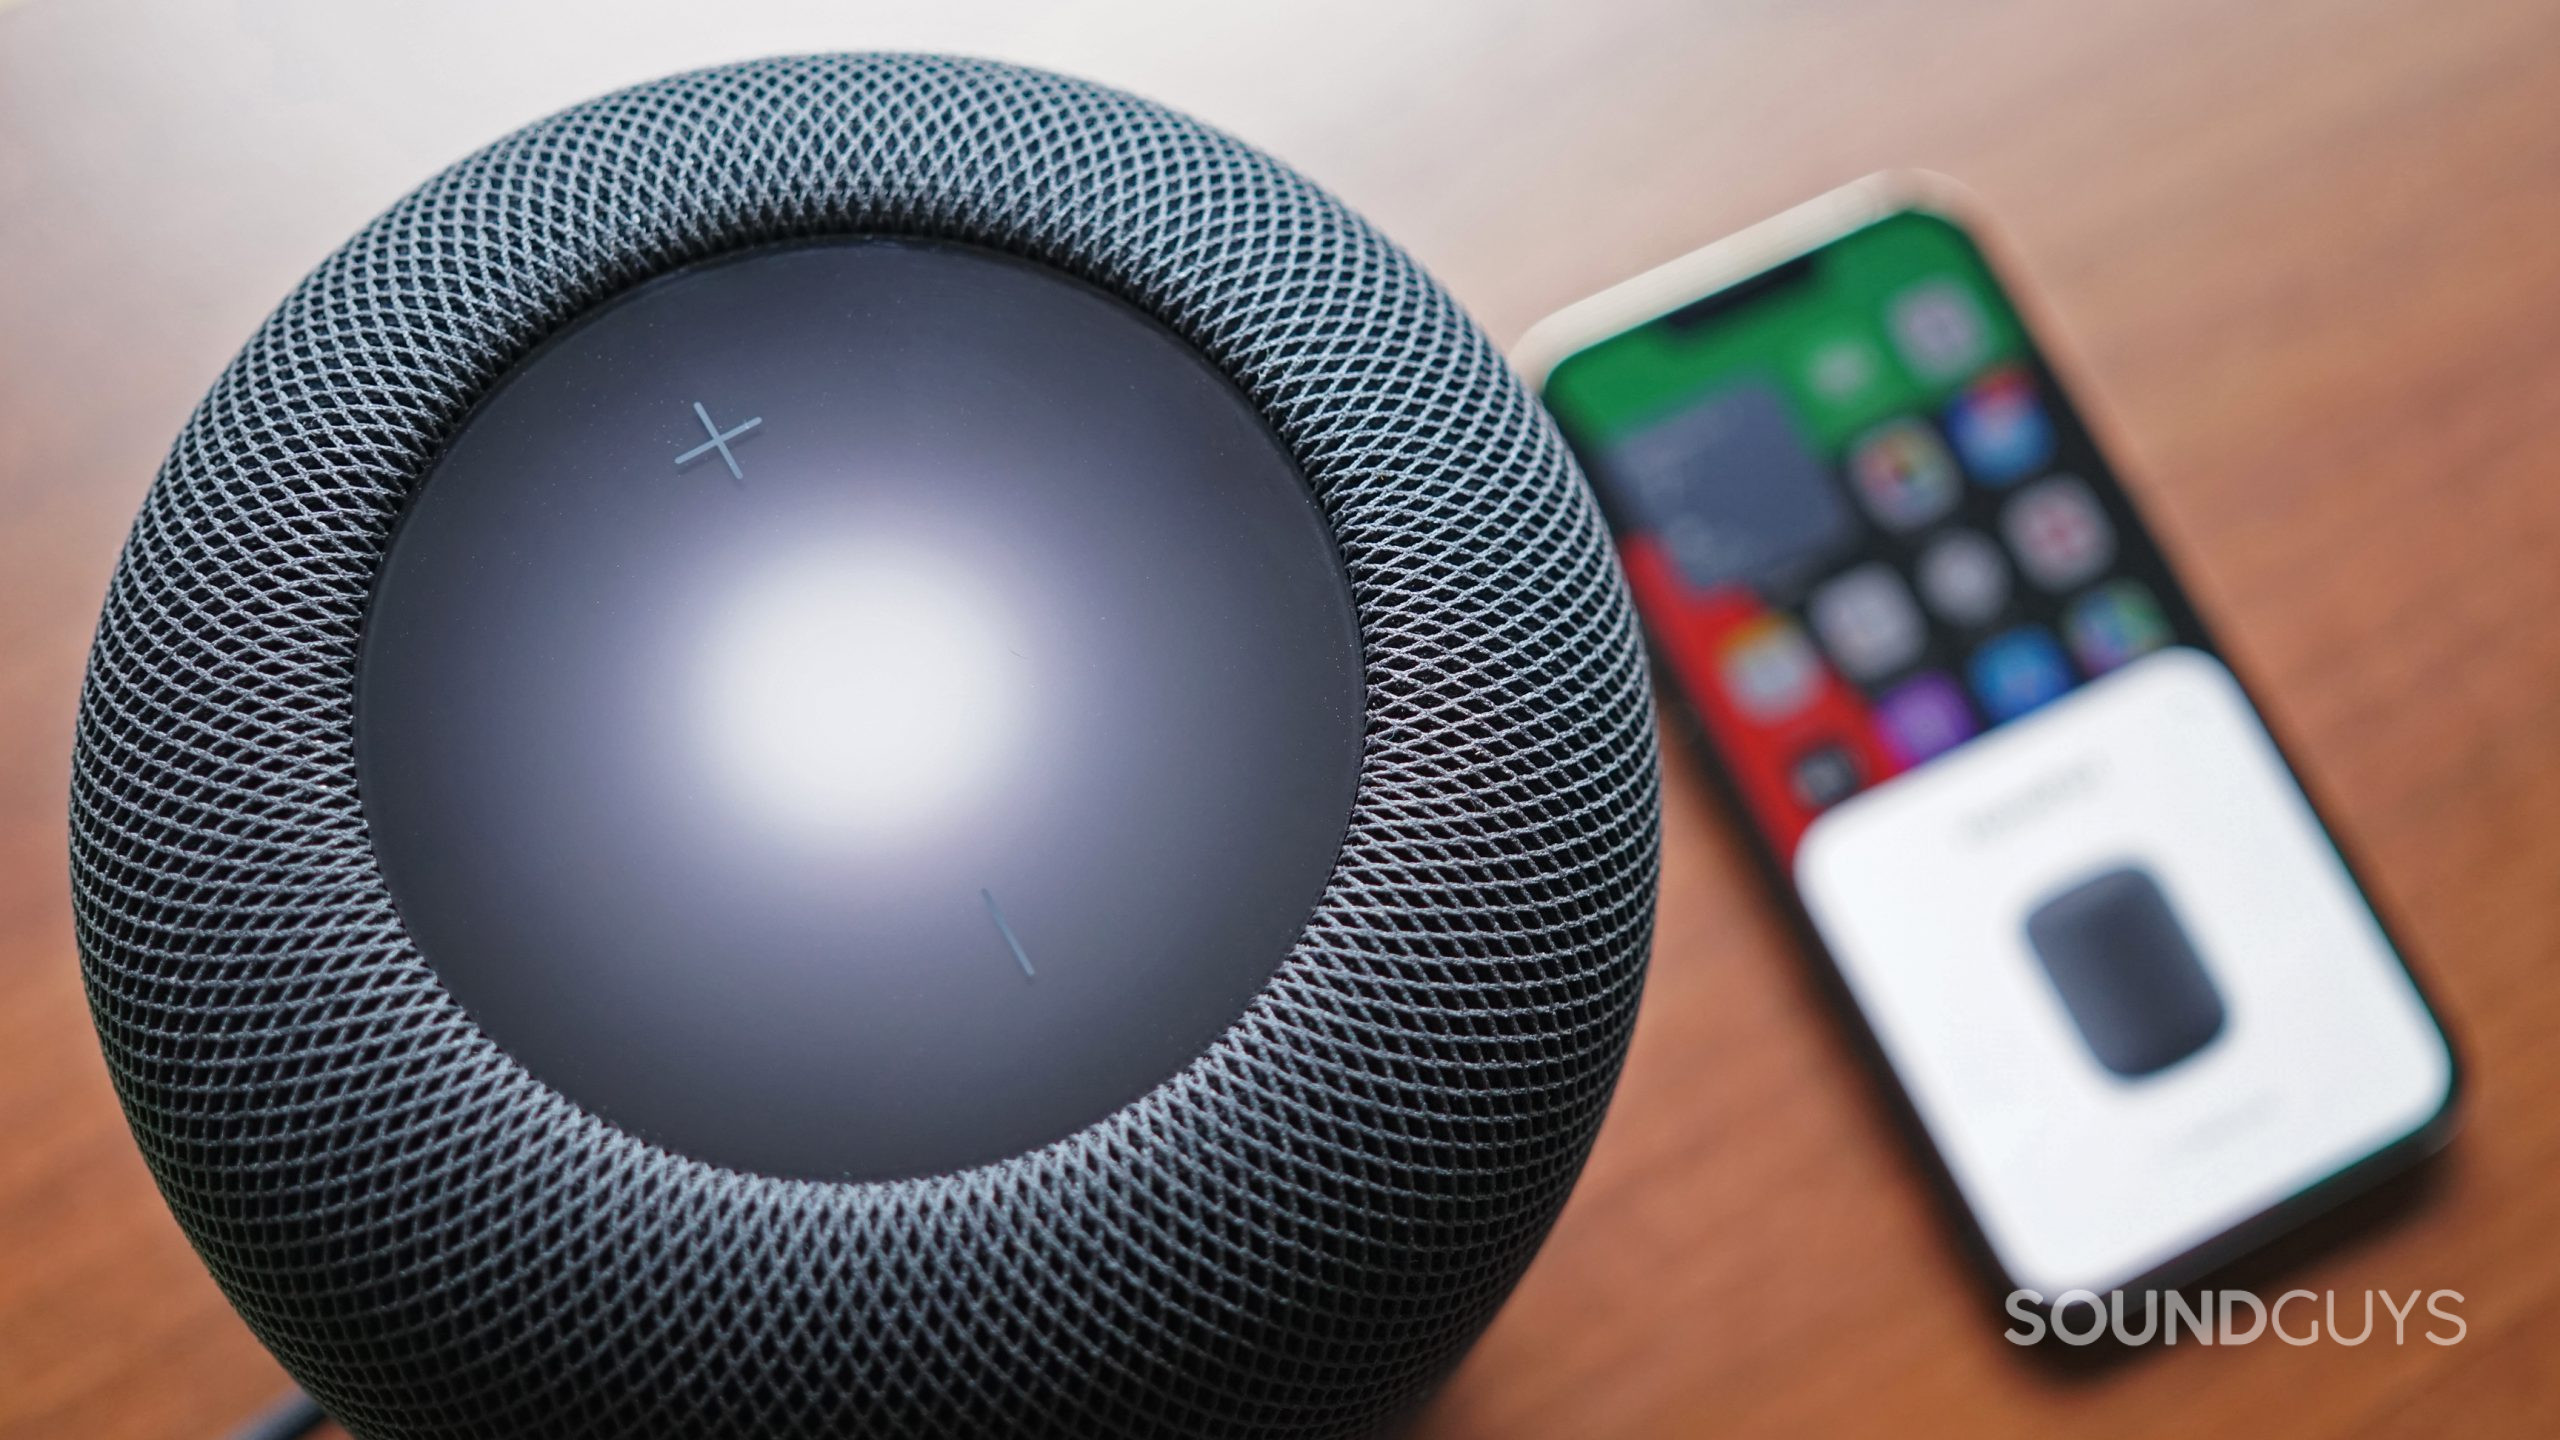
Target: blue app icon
{"x":2018,"y":670}
{"x":2000,"y":428}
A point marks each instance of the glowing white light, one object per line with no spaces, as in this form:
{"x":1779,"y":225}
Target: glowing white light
{"x":866,"y":691}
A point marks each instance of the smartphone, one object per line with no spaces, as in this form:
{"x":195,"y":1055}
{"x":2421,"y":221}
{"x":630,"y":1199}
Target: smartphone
{"x":2140,"y":1008}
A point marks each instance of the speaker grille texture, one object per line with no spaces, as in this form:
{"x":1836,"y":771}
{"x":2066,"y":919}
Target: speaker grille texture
{"x":1296,"y":1235}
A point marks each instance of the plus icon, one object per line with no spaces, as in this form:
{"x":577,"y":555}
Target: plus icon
{"x":719,"y":441}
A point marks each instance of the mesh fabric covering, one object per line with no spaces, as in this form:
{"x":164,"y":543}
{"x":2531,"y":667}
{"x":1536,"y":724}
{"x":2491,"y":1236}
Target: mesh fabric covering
{"x":1296,"y":1235}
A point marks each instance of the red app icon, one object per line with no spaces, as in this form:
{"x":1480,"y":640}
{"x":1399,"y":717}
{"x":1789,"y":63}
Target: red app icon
{"x":2059,"y":534}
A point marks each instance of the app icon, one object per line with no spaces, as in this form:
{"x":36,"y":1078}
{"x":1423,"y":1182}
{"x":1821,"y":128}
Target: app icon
{"x":2000,"y":429}
{"x":1867,"y":621}
{"x":1843,"y":368}
{"x":1964,"y":578}
{"x":1904,"y":475}
{"x":2060,"y":535}
{"x":2114,"y":623}
{"x":2018,"y":670}
{"x":1939,"y":329}
{"x":1823,"y":777}
{"x":1769,"y":669}
{"x":1924,"y":716}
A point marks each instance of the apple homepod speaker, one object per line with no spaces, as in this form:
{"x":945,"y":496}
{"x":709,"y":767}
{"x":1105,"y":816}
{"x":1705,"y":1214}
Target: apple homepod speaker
{"x":865,"y":746}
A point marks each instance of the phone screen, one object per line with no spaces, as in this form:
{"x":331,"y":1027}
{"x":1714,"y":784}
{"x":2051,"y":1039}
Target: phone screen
{"x":2105,"y":945}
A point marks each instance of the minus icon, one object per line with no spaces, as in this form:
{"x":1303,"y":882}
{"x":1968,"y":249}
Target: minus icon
{"x":996,"y":913}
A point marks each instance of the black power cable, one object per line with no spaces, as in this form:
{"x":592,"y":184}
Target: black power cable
{"x":291,"y":1418}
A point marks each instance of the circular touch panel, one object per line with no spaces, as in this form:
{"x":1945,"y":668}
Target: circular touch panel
{"x":859,"y":710}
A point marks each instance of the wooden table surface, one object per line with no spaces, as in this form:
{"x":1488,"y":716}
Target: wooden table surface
{"x":2307,"y":258}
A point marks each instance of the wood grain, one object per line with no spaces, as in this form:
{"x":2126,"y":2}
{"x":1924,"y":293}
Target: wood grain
{"x":2302,"y":257}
